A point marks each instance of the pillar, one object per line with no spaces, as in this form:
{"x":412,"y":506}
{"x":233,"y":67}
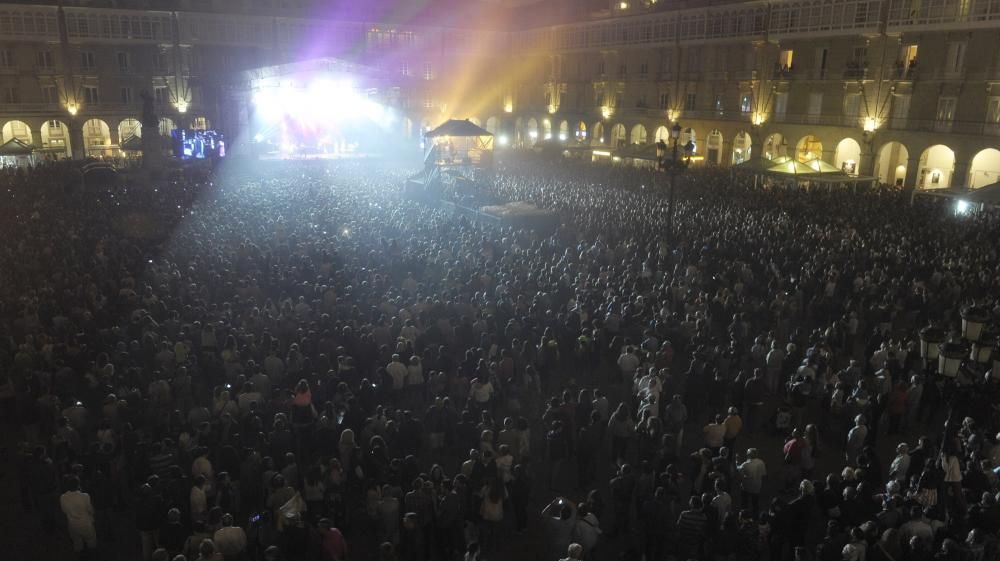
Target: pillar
{"x":912,"y":173}
{"x":960,"y":175}
{"x":867,"y":164}
{"x":76,"y":143}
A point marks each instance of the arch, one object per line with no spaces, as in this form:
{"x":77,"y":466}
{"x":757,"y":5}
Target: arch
{"x":492,"y":125}
{"x":201,"y":123}
{"x":808,"y":148}
{"x":598,"y":133}
{"x":638,"y":135}
{"x":55,"y":136}
{"x":985,"y":168}
{"x":546,"y":129}
{"x":532,"y":129}
{"x":618,"y":138}
{"x":19,"y":130}
{"x":713,"y":147}
{"x":564,"y":130}
{"x":741,"y":147}
{"x":937,"y":164}
{"x":581,"y":130}
{"x":96,"y":138}
{"x":662,"y":133}
{"x":890,"y":167}
{"x":167,"y":126}
{"x":847,"y":157}
{"x":775,"y":146}
{"x":128,"y":128}
{"x":686,"y":135}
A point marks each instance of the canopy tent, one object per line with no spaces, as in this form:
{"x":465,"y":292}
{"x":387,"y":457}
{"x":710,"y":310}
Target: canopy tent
{"x":988,"y":194}
{"x":15,"y":147}
{"x":822,"y":167}
{"x":790,"y":168}
{"x":458,"y":142}
{"x":755,"y":165}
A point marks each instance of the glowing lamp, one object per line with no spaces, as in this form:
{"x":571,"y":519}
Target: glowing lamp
{"x":503,"y":140}
{"x":757,"y":119}
{"x":675,"y":131}
{"x":931,"y":339}
{"x":548,"y":136}
{"x":72,"y":109}
{"x":258,"y":137}
{"x":673,"y":115}
{"x":553,"y":109}
{"x":870,"y":124}
{"x":562,"y":136}
{"x":974,"y":318}
{"x":508,"y":108}
{"x":182,"y":106}
{"x":962,"y":207}
{"x":606,"y":112}
{"x":623,"y":5}
{"x":950,"y":359}
{"x":533,"y":134}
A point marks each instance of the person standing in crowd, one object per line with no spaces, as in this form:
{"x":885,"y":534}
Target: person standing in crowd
{"x":79,"y":511}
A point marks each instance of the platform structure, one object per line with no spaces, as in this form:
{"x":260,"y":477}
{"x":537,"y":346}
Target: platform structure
{"x":455,"y":155}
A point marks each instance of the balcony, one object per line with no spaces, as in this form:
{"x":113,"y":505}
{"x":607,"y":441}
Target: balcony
{"x":855,"y":71}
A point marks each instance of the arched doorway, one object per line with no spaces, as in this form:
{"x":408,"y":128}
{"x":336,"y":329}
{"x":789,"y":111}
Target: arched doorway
{"x":741,"y":147}
{"x":19,"y":130}
{"x":167,"y":126}
{"x":662,"y":133}
{"x":775,"y":146}
{"x":618,"y":137}
{"x":129,"y":128}
{"x":546,"y":129}
{"x":848,"y":156}
{"x":598,"y":135}
{"x":96,"y":138}
{"x":985,"y":168}
{"x":937,"y":164}
{"x":890,"y":168}
{"x":713,"y":147}
{"x":638,"y":135}
{"x":55,"y":137}
{"x":564,"y":130}
{"x":532,"y":130}
{"x":808,"y":148}
{"x":491,"y":125}
{"x":581,"y":130}
{"x":686,"y":135}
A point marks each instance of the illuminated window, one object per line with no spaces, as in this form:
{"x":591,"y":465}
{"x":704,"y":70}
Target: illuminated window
{"x":718,"y":103}
{"x":946,"y":109}
{"x":746,"y":103}
{"x":428,"y":103}
{"x":428,"y":71}
{"x":785,"y":59}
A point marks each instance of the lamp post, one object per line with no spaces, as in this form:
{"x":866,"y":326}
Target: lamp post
{"x":950,"y":359}
{"x":931,"y":339}
{"x":673,"y":167}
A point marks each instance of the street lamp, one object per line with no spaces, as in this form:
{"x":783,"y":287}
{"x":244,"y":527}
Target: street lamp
{"x":673,"y":167}
{"x":950,"y":359}
{"x":974,"y":318}
{"x":931,"y":339}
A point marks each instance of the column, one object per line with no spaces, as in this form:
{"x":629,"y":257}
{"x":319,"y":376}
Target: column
{"x":76,"y":143}
{"x":960,"y":176}
{"x":912,"y":173}
{"x":867,"y":164}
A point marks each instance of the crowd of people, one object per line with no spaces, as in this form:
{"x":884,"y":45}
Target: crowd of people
{"x":293,"y":361}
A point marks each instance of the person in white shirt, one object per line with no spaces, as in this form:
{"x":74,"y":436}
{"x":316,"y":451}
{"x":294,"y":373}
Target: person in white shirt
{"x":199,"y":500}
{"x":230,"y":540}
{"x":397,"y":371}
{"x":753,"y":472}
{"x":79,"y":513}
{"x":901,"y":463}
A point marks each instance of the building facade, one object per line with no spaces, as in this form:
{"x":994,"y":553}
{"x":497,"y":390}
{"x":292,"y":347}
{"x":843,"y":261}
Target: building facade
{"x":904,"y":90}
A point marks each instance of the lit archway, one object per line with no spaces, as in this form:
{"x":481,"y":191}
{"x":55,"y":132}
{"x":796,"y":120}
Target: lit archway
{"x":686,"y":135}
{"x":492,"y":125}
{"x":19,"y":130}
{"x":201,"y":123}
{"x":97,"y":138}
{"x":532,"y":129}
{"x":985,"y":168}
{"x":808,"y":148}
{"x":775,"y":146}
{"x":741,"y":147}
{"x":55,"y":137}
{"x":848,"y":156}
{"x":129,"y":128}
{"x":564,"y":130}
{"x":167,"y":127}
{"x":937,"y":164}
{"x":662,"y":133}
{"x":546,"y":129}
{"x":618,"y":137}
{"x":890,"y":168}
{"x":638,"y":135}
{"x":713,"y":147}
{"x":581,"y":130}
{"x":598,"y":133}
